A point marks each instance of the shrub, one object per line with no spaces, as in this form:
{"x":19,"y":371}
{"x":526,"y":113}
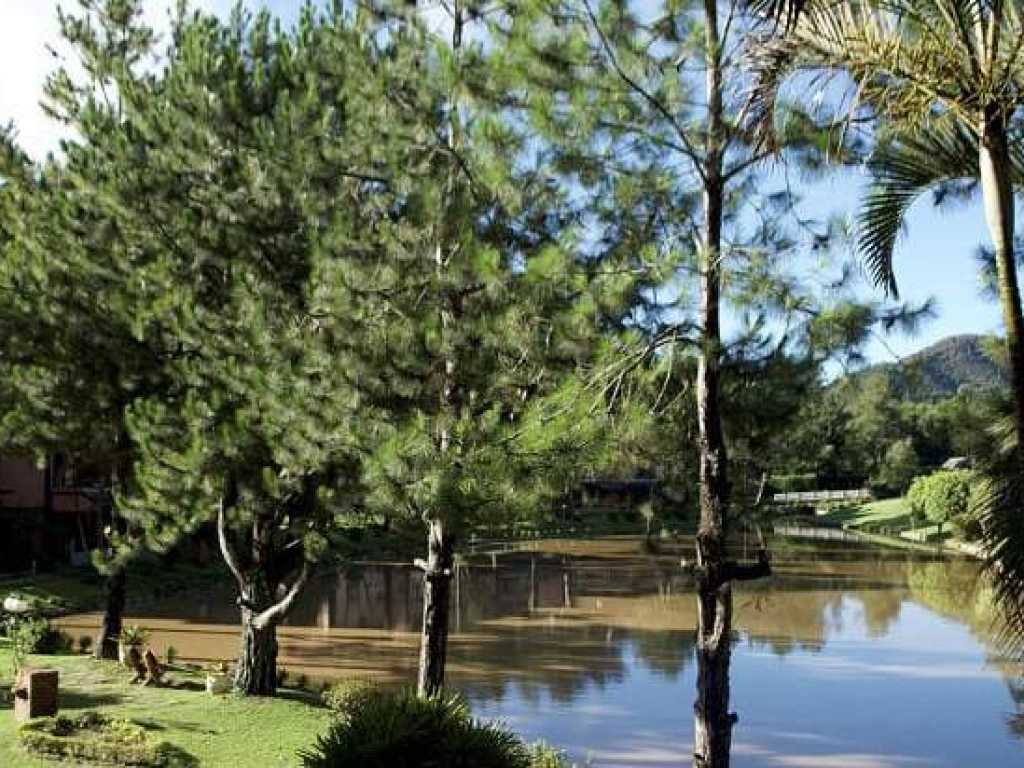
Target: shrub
{"x":53,"y":640}
{"x":30,"y":634}
{"x":404,"y":731}
{"x":171,"y":654}
{"x":92,"y":737}
{"x":941,"y":496}
{"x":543,"y":755}
{"x":348,"y":696}
{"x":85,"y":643}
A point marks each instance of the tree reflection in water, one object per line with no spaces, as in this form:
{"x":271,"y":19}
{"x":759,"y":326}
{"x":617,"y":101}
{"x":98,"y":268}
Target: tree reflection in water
{"x":553,"y":625}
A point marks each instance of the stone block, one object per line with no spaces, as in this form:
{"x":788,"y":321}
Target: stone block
{"x":35,"y":694}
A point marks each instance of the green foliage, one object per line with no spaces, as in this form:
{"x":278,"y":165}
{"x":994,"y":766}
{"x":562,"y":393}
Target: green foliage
{"x":864,"y":429}
{"x":133,"y":634}
{"x":543,"y":755}
{"x":405,"y":731}
{"x":349,"y":696}
{"x":92,"y":737}
{"x":941,"y":496}
{"x":33,"y":634}
{"x":899,"y":467}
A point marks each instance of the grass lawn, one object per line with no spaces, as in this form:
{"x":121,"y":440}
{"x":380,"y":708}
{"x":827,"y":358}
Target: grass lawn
{"x":73,"y":590}
{"x":887,"y":513}
{"x":64,"y":590}
{"x":213,"y":730}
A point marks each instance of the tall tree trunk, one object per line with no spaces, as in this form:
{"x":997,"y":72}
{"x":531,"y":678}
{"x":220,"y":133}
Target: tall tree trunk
{"x":712,"y":721}
{"x":437,"y":570}
{"x":997,"y":193}
{"x":256,"y":671}
{"x":107,"y":640}
{"x":437,"y":575}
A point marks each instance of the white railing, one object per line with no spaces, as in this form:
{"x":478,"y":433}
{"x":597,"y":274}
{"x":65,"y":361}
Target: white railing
{"x":857,"y":494}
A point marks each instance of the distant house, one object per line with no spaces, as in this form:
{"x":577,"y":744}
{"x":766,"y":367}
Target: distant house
{"x":45,"y":516}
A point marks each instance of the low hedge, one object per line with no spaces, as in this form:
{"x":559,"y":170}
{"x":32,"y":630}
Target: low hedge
{"x":92,"y":737}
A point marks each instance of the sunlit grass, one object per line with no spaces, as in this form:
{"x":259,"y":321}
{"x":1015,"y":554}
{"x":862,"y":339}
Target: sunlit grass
{"x":221,"y":730}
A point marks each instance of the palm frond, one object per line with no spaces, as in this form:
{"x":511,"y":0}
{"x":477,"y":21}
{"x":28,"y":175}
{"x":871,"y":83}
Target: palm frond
{"x":1000,"y":510}
{"x":902,"y":171}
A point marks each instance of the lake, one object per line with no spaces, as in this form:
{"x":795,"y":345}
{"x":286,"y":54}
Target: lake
{"x":849,"y":656}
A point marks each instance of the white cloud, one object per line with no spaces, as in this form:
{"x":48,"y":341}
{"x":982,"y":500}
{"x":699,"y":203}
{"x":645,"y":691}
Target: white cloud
{"x":26,"y":28}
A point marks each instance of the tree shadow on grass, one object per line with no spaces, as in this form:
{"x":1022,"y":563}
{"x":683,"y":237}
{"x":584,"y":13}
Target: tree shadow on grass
{"x":186,"y":685}
{"x":79,"y":700}
{"x":178,"y":725}
{"x":176,"y":757}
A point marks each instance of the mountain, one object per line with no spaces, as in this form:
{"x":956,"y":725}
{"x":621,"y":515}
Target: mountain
{"x":945,"y":367}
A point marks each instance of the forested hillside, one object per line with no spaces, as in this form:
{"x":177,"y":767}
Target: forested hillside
{"x":947,"y":366}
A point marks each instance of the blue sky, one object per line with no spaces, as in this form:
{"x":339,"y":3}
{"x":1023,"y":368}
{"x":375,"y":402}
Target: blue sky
{"x":934,"y":258}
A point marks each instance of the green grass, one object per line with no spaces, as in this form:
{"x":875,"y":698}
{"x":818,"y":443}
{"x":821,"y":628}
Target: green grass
{"x":213,"y":730}
{"x":70,"y":590}
{"x":60,"y":591}
{"x":890,"y":513}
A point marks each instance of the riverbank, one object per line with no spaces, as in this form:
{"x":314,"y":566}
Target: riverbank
{"x":77,"y":590}
{"x":207,"y":730}
{"x":888,"y":522}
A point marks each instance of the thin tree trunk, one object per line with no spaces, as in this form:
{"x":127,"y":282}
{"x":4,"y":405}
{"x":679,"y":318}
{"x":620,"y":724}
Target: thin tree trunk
{"x":712,"y":721}
{"x":107,"y":640}
{"x":437,"y":574}
{"x":437,"y":570}
{"x":997,"y":193}
{"x":256,"y":672}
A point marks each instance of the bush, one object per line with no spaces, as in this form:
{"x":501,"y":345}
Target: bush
{"x":92,"y":737}
{"x":545,"y":756}
{"x":349,"y":696}
{"x":53,"y":640}
{"x":404,"y":731}
{"x":942,"y":496}
{"x":29,"y":634}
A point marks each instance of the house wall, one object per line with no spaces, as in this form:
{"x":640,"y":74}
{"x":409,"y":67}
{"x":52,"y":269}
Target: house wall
{"x":22,"y":484}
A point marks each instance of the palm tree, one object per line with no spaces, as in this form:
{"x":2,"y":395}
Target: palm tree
{"x":949,"y":72}
{"x":945,"y":80}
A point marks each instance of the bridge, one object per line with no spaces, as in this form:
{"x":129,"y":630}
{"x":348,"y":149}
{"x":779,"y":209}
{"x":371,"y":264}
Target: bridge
{"x":818,"y":497}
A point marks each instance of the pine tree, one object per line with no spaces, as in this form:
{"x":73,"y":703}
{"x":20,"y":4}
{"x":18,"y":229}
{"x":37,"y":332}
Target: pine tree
{"x":488,"y":315}
{"x":76,"y":363}
{"x":644,"y":108}
{"x":182,"y":245}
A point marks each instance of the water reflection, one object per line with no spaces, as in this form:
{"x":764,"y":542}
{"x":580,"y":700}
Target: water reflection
{"x":848,"y":656}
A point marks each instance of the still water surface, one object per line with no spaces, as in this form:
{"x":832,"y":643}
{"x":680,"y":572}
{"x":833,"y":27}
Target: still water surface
{"x":848,"y":657}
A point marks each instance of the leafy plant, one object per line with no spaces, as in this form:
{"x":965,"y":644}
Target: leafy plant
{"x":543,"y":755}
{"x":134,"y":635}
{"x":84,"y":643}
{"x":26,"y":634}
{"x":406,"y":731}
{"x":171,"y":654}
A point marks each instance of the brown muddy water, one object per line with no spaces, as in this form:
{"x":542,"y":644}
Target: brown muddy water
{"x":850,"y":656}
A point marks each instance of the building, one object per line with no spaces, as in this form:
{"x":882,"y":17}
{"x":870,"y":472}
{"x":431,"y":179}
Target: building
{"x":46,"y":517}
